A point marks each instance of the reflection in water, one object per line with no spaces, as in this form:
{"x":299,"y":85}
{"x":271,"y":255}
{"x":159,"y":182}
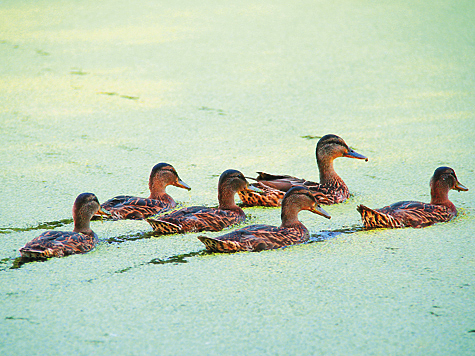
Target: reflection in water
{"x":134,"y":237}
{"x":19,"y":318}
{"x":15,"y":263}
{"x":176,"y":259}
{"x":181,"y":258}
{"x":50,"y":225}
{"x":311,"y":137}
{"x":329,"y":234}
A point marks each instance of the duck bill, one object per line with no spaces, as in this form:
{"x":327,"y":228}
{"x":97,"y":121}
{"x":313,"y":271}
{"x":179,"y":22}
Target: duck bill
{"x":460,"y":187}
{"x":318,"y":210}
{"x":103,"y":212}
{"x":353,"y":154}
{"x":180,"y":184}
{"x":254,"y":189}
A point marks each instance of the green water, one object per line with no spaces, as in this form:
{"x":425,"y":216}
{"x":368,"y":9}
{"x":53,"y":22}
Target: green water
{"x":93,"y":94}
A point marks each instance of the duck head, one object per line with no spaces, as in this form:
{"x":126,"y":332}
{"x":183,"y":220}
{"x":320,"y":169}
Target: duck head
{"x":443,"y":180}
{"x":230,"y":182}
{"x":85,"y":206}
{"x":162,"y":175}
{"x":233,"y":180}
{"x":333,"y":146}
{"x":296,"y":200}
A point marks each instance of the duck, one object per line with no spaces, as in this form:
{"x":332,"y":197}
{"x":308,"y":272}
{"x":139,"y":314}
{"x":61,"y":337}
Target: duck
{"x":265,"y":237}
{"x":135,"y":208}
{"x":417,"y":214}
{"x":200,"y":218}
{"x":63,"y":243}
{"x":331,"y":189}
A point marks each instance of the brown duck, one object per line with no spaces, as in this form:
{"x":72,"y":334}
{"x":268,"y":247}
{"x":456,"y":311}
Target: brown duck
{"x":265,"y":237}
{"x":200,"y":218}
{"x":62,"y":243}
{"x":418,"y":214}
{"x":130,"y":207}
{"x":330,"y":190}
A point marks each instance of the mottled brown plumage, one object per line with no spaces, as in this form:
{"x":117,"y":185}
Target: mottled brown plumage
{"x":130,"y":207}
{"x":331,"y":189}
{"x":417,"y":214}
{"x":265,"y":237}
{"x":62,"y":243}
{"x":200,"y":218}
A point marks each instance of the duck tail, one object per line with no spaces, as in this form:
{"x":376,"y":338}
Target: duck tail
{"x":164,"y":227}
{"x":28,"y":252}
{"x":373,"y":219}
{"x":214,"y":245}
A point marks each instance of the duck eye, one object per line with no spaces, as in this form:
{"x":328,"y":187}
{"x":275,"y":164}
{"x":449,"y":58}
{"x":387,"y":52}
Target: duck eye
{"x":170,"y":170}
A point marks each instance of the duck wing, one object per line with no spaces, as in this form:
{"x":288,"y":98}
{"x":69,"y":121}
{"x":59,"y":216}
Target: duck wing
{"x":256,"y":238}
{"x":405,"y":214}
{"x":418,"y":214}
{"x":274,"y":187}
{"x":280,"y":182}
{"x":112,"y":203}
{"x":195,"y":219}
{"x":58,"y":244}
{"x":268,"y":196}
{"x":139,"y":208}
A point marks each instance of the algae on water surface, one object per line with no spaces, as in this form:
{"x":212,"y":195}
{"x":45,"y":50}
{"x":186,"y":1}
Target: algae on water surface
{"x":94,"y":94}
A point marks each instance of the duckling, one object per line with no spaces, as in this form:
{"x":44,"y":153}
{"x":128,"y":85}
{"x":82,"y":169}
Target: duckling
{"x":200,"y":218}
{"x":265,"y":237}
{"x":130,"y":207}
{"x":418,"y":214}
{"x":60,"y":243}
{"x":331,"y":189}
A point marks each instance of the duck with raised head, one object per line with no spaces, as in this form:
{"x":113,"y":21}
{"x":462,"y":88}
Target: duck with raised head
{"x":414,"y":213}
{"x":130,"y":207}
{"x":200,"y":218}
{"x":331,"y":189}
{"x":62,"y":243}
{"x":265,"y":237}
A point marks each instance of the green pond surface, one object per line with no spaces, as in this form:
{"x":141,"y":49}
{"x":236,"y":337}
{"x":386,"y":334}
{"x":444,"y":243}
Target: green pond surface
{"x":94,"y":93}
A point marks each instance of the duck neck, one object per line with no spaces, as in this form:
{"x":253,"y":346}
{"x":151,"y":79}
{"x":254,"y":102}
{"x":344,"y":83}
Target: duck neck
{"x":440,"y":195}
{"x":226,"y":199}
{"x":289,"y":215}
{"x":157,"y":191}
{"x":328,"y":176}
{"x":82,"y":224}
